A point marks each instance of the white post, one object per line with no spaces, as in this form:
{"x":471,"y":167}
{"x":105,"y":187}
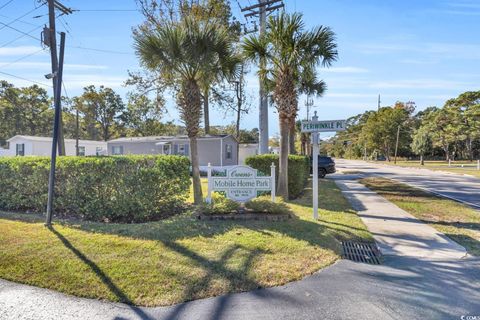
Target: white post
{"x":209,"y":177}
{"x":315,"y":136}
{"x":478,"y":164}
{"x":272,"y":175}
{"x":449,"y":162}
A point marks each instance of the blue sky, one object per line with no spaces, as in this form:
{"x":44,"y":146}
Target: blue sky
{"x":425,"y":51}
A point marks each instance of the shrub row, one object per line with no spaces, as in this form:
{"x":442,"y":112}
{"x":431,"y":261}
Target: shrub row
{"x":120,"y":189}
{"x":298,"y":170}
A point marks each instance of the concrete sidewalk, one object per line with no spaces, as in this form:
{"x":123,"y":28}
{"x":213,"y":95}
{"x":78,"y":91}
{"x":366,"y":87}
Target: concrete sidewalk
{"x":396,"y":232}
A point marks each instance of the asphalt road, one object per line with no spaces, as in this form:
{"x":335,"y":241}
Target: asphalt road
{"x":459,"y":187}
{"x":401,"y":288}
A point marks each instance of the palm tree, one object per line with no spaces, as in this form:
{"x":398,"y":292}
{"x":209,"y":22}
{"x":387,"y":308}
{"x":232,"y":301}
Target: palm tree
{"x":185,"y":53}
{"x":309,"y":85}
{"x":289,"y":52}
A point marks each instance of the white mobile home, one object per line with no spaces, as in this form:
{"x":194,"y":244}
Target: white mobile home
{"x":42,"y":146}
{"x":246,"y":150}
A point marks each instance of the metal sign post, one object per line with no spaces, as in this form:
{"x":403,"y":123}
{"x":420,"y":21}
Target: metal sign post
{"x":315,"y":127}
{"x":315,"y":140}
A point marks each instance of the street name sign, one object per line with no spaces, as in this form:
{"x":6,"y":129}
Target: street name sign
{"x":323,"y":126}
{"x":315,"y":127}
{"x":241,"y":183}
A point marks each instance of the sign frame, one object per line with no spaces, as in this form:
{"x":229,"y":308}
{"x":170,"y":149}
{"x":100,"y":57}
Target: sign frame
{"x":241,"y":183}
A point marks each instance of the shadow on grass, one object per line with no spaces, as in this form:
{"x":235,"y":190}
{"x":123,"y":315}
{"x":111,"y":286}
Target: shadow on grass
{"x":122,"y":297}
{"x":323,"y":234}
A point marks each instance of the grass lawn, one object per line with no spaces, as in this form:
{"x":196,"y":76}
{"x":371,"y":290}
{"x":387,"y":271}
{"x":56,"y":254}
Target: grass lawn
{"x":177,"y":259}
{"x":456,"y":167}
{"x":457,"y":221}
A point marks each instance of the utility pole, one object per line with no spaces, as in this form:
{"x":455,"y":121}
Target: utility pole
{"x":56,"y":126}
{"x":261,"y":9}
{"x":50,"y":40}
{"x":378,"y":103}
{"x":308,"y":104}
{"x":77,"y":133}
{"x":396,"y":145}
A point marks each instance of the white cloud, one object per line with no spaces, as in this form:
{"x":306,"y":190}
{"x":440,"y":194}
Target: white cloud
{"x":43,"y":65}
{"x":446,"y":85}
{"x":437,"y":50}
{"x":344,"y":70}
{"x":78,"y":81}
{"x":19,"y":51}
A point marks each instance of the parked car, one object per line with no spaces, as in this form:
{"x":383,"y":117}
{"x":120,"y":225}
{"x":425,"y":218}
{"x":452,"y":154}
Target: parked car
{"x":326,"y":165}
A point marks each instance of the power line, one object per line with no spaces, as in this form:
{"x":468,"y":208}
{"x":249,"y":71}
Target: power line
{"x":6,"y":4}
{"x":15,"y":20}
{"x":104,"y":10}
{"x":25,"y":79}
{"x":19,"y":37}
{"x":100,"y":50}
{"x":20,"y":31}
{"x":20,"y":59}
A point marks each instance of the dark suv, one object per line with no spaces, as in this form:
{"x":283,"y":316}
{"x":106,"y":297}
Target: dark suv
{"x":326,"y":165}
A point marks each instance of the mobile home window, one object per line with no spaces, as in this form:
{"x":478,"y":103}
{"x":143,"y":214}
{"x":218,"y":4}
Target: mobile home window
{"x":98,"y":151}
{"x":20,"y":149}
{"x":117,"y":150}
{"x":81,"y":151}
{"x":183,"y":149}
{"x":166,"y":149}
{"x":228,"y":152}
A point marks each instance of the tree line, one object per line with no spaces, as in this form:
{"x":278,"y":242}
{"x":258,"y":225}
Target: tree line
{"x":451,"y":132}
{"x":102,"y":115}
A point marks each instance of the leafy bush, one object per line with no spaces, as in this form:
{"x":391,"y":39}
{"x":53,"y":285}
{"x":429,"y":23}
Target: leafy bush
{"x":265,"y":205}
{"x":219,"y":205}
{"x":122,"y":189}
{"x":298,"y":170}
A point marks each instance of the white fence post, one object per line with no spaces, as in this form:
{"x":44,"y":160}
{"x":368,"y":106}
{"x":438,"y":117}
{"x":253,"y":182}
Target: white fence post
{"x":209,"y":177}
{"x":478,"y":164}
{"x":272,"y":174}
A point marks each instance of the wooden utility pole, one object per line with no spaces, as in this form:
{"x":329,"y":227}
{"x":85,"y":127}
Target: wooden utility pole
{"x":261,"y":9}
{"x":51,"y":41}
{"x":396,"y":145}
{"x":56,"y":126}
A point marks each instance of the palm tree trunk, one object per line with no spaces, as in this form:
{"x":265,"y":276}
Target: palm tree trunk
{"x":282,"y":189}
{"x":190,"y":103}
{"x":291,"y":138}
{"x":206,"y":115}
{"x":197,"y":184}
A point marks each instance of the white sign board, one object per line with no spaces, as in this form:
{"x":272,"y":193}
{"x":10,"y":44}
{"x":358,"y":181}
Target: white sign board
{"x":323,"y":126}
{"x":241,"y":183}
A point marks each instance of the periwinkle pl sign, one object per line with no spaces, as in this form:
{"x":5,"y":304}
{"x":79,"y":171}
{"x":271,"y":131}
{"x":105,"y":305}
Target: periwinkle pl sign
{"x":323,"y":126}
{"x":241,"y":183}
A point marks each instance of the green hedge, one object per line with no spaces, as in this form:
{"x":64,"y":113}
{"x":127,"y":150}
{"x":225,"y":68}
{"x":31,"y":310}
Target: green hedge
{"x":298,"y":170}
{"x":120,"y":189}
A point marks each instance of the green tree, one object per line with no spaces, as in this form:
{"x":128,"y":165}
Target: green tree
{"x":421,"y":143}
{"x":380,"y":130}
{"x":101,"y":110}
{"x":289,"y":52}
{"x":183,"y":52}
{"x":24,"y":111}
{"x":142,"y":116}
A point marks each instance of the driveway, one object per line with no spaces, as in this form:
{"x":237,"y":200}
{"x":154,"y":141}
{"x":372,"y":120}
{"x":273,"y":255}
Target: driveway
{"x":459,"y":187}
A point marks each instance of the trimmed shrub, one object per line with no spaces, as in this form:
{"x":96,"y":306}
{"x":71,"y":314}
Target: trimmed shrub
{"x":120,"y":188}
{"x":298,"y":170}
{"x":265,"y":205}
{"x":219,"y":205}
